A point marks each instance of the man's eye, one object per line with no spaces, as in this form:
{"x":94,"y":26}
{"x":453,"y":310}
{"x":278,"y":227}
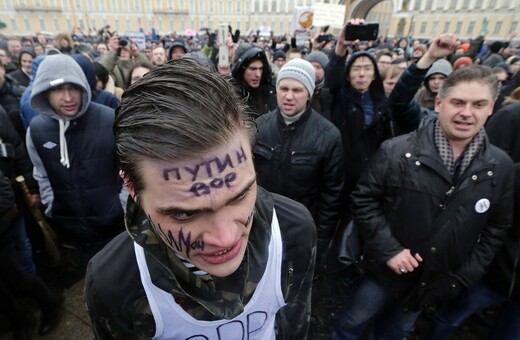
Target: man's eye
{"x":182,"y":216}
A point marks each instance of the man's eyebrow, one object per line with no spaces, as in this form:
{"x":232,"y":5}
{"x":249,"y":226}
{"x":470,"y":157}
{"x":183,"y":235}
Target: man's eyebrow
{"x":241,"y":193}
{"x":176,"y":210}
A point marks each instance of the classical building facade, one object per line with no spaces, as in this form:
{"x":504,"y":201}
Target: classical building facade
{"x":422,"y":18}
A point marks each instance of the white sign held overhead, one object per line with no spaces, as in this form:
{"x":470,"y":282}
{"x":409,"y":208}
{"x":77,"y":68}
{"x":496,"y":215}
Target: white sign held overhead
{"x":327,"y":14}
{"x":139,"y":38}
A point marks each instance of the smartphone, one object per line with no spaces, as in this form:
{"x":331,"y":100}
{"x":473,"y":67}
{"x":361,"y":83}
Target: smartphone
{"x":366,"y":31}
{"x":325,"y":28}
{"x":223,"y":50}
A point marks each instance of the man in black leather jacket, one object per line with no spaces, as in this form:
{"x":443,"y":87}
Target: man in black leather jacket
{"x":433,"y":207}
{"x":298,"y":152}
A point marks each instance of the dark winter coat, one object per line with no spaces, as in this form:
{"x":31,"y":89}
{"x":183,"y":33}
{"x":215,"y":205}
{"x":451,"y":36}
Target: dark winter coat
{"x":263,"y":98}
{"x":302,"y":161}
{"x":10,"y":94}
{"x":407,"y":188}
{"x":360,"y":142}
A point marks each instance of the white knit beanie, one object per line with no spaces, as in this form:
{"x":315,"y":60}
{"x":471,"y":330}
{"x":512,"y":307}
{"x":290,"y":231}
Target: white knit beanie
{"x":300,"y":70}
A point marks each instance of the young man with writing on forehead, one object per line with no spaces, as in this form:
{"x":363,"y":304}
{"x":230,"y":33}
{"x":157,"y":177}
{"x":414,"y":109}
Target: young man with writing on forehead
{"x":208,"y":253}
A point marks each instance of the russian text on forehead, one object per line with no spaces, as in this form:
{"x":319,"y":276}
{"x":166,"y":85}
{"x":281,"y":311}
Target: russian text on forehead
{"x":206,"y":167}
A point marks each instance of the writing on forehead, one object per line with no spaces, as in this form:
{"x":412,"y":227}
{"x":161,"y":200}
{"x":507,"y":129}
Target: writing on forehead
{"x":209,"y":168}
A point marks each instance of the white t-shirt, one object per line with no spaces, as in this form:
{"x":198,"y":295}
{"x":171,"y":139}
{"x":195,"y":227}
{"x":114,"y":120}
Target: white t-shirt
{"x":255,"y":322}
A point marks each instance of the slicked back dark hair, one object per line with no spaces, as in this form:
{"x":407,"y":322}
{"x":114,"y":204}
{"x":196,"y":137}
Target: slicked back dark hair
{"x":177,"y":111}
{"x":477,"y":73}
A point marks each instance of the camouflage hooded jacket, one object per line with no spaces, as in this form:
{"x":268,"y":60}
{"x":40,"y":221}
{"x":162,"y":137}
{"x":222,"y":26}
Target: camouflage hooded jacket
{"x":117,"y":302}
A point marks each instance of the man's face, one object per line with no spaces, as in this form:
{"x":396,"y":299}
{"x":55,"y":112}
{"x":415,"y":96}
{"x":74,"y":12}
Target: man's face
{"x":38,"y":50}
{"x":42,"y":39}
{"x":148,"y":53}
{"x":14,"y":47}
{"x":253,"y":74}
{"x":383,"y":62}
{"x":515,"y":67}
{"x":203,"y":208}
{"x":362,"y":73}
{"x":292,"y":96}
{"x":102,"y":49}
{"x":320,"y":72}
{"x":464,"y":110}
{"x":389,"y":84}
{"x":26,"y":63}
{"x":138,"y":73}
{"x":65,"y":99}
{"x":177,"y":53}
{"x":435,"y":82}
{"x":279,"y":62}
{"x":159,"y":56}
{"x":4,"y":57}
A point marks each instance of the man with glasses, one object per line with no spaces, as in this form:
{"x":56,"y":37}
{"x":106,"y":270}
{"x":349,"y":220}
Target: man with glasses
{"x":357,"y":106}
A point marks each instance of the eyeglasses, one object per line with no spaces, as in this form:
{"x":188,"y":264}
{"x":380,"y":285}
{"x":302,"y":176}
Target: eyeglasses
{"x":357,"y":69}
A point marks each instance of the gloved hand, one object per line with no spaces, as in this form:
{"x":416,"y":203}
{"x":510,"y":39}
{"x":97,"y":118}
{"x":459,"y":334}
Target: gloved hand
{"x":440,"y":291}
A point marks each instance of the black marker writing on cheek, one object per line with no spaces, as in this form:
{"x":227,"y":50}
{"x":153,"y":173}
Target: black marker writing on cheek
{"x":183,"y":241}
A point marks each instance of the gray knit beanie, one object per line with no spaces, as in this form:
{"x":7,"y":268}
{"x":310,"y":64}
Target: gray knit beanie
{"x":319,"y":57}
{"x":300,"y":70}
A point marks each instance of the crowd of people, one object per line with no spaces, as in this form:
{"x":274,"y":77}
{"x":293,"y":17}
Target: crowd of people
{"x":233,"y":179}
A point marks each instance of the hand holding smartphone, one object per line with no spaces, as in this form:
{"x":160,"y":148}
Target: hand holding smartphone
{"x":364,"y":31}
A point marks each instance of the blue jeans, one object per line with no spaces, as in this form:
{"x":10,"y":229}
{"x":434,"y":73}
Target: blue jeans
{"x":370,"y":300}
{"x":448,"y":319}
{"x":22,"y":245}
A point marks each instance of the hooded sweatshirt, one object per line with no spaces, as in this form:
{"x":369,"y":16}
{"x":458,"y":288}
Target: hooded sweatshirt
{"x":425,"y":96}
{"x":80,"y":190}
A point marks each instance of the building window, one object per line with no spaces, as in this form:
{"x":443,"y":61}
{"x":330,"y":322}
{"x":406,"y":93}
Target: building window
{"x":514,"y":26}
{"x":211,"y":7}
{"x":42,"y":24}
{"x":471,"y":27}
{"x":27,"y":24}
{"x":458,"y":28}
{"x":192,"y":6}
{"x":423,"y":27}
{"x":498,"y":27}
{"x":170,"y":4}
{"x":435,"y":26}
{"x":441,"y":4}
{"x":478,"y":4}
{"x":78,"y":4}
{"x":69,"y":25}
{"x":417,"y":5}
{"x":13,"y":24}
{"x":429,"y":4}
{"x":117,"y":25}
{"x":239,"y":9}
{"x":128,"y":27}
{"x":56,"y":25}
{"x":114,"y":4}
{"x":453,"y":4}
{"x":492,"y":4}
{"x":93,"y":23}
{"x":158,"y":4}
{"x":446,"y":27}
{"x":137,"y":4}
{"x":465,"y":4}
